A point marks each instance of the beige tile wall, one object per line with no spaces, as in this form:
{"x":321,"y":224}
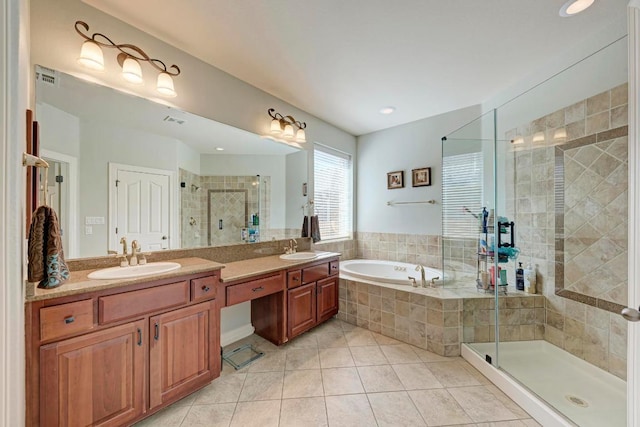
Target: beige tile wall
{"x":593,"y":334}
{"x":411,"y":248}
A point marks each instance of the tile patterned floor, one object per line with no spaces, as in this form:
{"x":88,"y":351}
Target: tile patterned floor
{"x":341,"y":375}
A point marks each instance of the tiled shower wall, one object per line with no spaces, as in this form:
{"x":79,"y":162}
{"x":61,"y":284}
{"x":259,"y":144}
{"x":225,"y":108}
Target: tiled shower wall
{"x":578,"y":325}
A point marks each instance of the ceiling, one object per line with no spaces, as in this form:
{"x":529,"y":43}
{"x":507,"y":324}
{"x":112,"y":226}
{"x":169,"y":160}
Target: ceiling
{"x":343,"y":62}
{"x":90,"y":101}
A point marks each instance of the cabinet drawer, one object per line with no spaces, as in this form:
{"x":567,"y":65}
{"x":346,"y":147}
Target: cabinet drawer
{"x":204,"y":288}
{"x":294,"y":279}
{"x":317,"y":272}
{"x":334,"y":268}
{"x":255,"y":289}
{"x":66,"y":319}
{"x":129,"y":304}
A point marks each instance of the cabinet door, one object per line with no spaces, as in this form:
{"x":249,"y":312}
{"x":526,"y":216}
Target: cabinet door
{"x":327,"y":298}
{"x":95,"y":379}
{"x":301,"y":309}
{"x":181,"y":354}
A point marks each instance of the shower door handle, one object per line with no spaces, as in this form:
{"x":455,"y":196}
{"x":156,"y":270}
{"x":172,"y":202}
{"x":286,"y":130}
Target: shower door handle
{"x":631,"y":314}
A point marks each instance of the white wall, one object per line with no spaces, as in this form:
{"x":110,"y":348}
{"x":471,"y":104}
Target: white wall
{"x":406,"y":147}
{"x":297,"y":169}
{"x":102,"y":144}
{"x":188,"y":158}
{"x":59,"y":130}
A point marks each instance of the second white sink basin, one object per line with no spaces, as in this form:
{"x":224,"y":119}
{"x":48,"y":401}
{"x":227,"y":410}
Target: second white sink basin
{"x":299,"y":256}
{"x":134,"y":271}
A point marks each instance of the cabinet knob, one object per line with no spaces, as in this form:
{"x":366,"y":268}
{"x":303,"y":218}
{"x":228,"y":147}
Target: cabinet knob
{"x":139,"y":337}
{"x":69,"y":319}
{"x":206,"y":288}
{"x":258,"y":289}
{"x":156,"y":335}
{"x":296,"y":279}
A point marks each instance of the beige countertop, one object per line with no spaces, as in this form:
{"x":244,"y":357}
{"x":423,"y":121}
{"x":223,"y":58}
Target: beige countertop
{"x":239,"y":270}
{"x":79,"y":282}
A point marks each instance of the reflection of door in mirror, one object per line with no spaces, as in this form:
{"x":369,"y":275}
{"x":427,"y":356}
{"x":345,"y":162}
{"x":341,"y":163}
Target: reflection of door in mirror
{"x":141,"y":206}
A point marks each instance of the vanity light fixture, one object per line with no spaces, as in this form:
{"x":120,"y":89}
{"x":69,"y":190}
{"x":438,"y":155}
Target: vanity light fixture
{"x":129,"y":59}
{"x":286,"y":127}
{"x":573,"y":7}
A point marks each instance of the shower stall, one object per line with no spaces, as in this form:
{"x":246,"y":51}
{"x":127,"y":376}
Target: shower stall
{"x":535,"y":240}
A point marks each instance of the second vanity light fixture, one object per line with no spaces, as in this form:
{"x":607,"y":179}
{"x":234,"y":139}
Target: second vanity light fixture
{"x":283,"y":127}
{"x":129,"y":59}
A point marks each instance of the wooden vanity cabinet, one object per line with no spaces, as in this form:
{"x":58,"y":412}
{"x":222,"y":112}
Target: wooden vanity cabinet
{"x":119,"y":364}
{"x":315,"y":300}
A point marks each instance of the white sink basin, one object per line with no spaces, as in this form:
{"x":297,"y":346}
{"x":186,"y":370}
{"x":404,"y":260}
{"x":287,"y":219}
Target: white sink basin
{"x":135,"y":271}
{"x":299,"y":256}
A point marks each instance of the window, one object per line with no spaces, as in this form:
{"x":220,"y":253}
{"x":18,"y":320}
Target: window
{"x":332,"y":192}
{"x":462,"y":177}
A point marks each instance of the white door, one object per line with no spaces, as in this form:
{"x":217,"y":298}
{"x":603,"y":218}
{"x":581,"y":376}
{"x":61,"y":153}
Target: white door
{"x":141,"y":207}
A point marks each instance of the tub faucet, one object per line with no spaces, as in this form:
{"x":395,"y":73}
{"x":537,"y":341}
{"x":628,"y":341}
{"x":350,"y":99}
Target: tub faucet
{"x":423,"y":280}
{"x":134,"y":253}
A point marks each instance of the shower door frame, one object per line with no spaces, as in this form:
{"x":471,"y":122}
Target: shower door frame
{"x":633,"y":335}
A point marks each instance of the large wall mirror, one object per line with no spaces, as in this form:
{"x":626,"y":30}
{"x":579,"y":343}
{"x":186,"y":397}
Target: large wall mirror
{"x":124,"y":166}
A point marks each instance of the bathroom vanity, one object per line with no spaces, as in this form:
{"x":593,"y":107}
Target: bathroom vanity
{"x":112,"y":352}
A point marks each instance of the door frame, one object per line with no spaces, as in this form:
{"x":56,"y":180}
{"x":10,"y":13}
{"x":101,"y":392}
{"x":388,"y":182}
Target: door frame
{"x":633,"y":334}
{"x":174,"y":237}
{"x":74,"y":226}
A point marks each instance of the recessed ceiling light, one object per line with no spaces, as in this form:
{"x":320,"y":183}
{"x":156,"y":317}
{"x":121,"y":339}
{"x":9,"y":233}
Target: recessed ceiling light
{"x":573,"y":7}
{"x":387,"y":110}
{"x":219,"y":149}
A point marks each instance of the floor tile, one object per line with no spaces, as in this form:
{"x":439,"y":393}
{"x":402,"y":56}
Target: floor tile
{"x":385,"y":340}
{"x":306,"y":340}
{"x":416,"y":376}
{"x":171,"y":416}
{"x":427,"y":356}
{"x":262,"y":386}
{"x":368,"y":355}
{"x":379,"y":378}
{"x":401,"y":353}
{"x":514,"y":423}
{"x":225,"y":389}
{"x":359,"y":337}
{"x":341,"y":381}
{"x":438,"y":407}
{"x":506,"y":401}
{"x":395,"y":409}
{"x":303,"y":412}
{"x":349,"y":327}
{"x":336,"y":358}
{"x":218,"y":415}
{"x":452,"y":374}
{"x":350,"y":411}
{"x":271,"y":361}
{"x":302,"y":358}
{"x":480,"y":404}
{"x":302,"y":383}
{"x":265,"y":413}
{"x":331,"y":339}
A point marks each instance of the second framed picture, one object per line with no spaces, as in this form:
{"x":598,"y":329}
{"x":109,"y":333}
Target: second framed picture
{"x":421,"y":177}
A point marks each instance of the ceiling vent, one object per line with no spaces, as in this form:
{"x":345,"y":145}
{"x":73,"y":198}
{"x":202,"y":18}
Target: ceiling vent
{"x":47,"y":76}
{"x":176,"y":120}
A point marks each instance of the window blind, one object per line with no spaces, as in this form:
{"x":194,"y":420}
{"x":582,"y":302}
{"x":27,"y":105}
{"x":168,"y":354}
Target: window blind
{"x":332,"y":192}
{"x":462,"y":177}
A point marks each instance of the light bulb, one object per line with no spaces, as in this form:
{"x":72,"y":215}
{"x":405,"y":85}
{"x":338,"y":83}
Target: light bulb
{"x":165,"y":85}
{"x":275,"y":127}
{"x":300,"y":136}
{"x":131,"y":71}
{"x":288,"y":131}
{"x":91,"y":56}
{"x":573,"y":7}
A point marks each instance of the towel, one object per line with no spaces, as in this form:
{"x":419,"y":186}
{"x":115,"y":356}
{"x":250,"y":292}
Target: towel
{"x":305,"y":227}
{"x":46,"y":257}
{"x":315,"y":229}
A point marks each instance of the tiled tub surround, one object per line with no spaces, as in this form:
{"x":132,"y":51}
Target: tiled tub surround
{"x":438,"y":319}
{"x":412,"y":248}
{"x":591,"y":174}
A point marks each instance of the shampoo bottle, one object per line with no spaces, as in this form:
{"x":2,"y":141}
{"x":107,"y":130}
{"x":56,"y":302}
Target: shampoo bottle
{"x":520,"y":277}
{"x":529,"y":279}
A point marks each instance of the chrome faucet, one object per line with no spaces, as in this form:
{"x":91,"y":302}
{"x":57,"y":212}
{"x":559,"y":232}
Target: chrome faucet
{"x":423,"y":279}
{"x":134,"y":250}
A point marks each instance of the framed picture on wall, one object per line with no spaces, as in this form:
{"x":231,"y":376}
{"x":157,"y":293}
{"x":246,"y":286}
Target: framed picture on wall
{"x":395,"y":180}
{"x":421,"y":177}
